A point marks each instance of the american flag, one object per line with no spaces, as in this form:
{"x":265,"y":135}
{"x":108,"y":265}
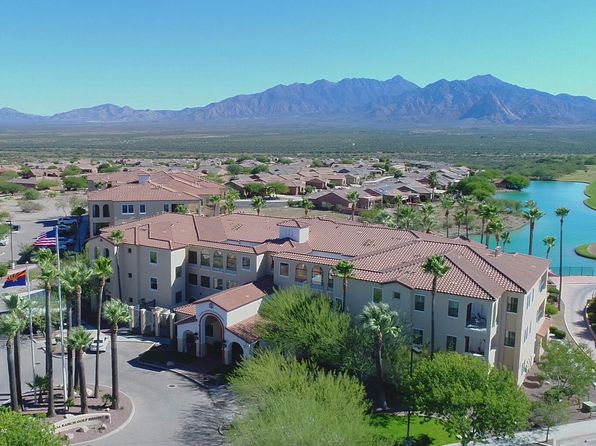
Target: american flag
{"x":46,"y":239}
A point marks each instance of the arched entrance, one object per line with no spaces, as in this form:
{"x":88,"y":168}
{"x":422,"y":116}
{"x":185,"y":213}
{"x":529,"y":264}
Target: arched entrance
{"x":212,"y":336}
{"x":189,"y":346}
{"x":237,"y":353}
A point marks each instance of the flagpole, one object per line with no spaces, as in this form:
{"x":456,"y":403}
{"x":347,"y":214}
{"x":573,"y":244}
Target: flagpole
{"x":61,"y":318}
{"x":31,"y":330}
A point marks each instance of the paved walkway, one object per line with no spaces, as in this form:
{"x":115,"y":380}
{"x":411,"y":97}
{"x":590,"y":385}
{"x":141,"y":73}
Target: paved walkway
{"x":577,"y":290}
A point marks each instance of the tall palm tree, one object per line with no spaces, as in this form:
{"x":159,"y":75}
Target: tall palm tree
{"x":258,"y":203}
{"x":505,"y":239}
{"x":466,"y":203}
{"x":532,"y":214}
{"x":230,"y":201}
{"x":345,"y":271}
{"x":19,"y":306}
{"x":427,"y":219}
{"x":10,"y":326}
{"x":117,"y":238}
{"x":562,"y":213}
{"x":102,"y":269}
{"x":380,"y":321}
{"x":407,"y":219}
{"x":549,"y":241}
{"x":494,"y":226}
{"x":486,"y":212}
{"x":307,"y":205}
{"x":214,"y":200}
{"x":447,"y":203}
{"x":353,"y":198}
{"x":78,"y":341}
{"x":460,"y":218}
{"x":433,"y":182}
{"x":46,"y":261}
{"x":116,"y":313}
{"x":437,"y":266}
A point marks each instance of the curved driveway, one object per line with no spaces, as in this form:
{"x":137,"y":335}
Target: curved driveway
{"x":577,"y":290}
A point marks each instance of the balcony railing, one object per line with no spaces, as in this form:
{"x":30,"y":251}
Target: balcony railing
{"x":476,"y":323}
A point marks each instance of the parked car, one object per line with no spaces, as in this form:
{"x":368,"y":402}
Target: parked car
{"x":103,"y":343}
{"x":66,"y":221}
{"x":3,"y":241}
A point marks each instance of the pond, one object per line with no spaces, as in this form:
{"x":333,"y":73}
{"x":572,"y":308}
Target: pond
{"x":579,"y":226}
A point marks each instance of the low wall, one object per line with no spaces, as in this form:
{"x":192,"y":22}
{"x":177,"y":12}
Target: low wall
{"x":74,"y":421}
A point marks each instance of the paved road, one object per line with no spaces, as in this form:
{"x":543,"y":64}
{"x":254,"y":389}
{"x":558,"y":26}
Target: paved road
{"x":169,"y":410}
{"x":576,"y":292}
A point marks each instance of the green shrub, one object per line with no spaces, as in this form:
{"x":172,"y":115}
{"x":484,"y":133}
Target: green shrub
{"x":551,"y":310}
{"x":46,"y":183}
{"x":31,"y":194}
{"x":558,"y":333}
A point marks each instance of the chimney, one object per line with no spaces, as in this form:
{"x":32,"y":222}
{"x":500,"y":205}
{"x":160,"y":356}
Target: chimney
{"x":294,"y":230}
{"x":497,"y":251}
{"x":144,"y":178}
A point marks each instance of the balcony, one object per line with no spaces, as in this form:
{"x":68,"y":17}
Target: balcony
{"x":476,"y":317}
{"x":475,"y":346}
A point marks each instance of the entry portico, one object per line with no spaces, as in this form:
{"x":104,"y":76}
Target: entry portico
{"x":223,"y":325}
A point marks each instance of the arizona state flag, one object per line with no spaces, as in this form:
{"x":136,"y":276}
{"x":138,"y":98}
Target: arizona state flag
{"x":16,"y":279}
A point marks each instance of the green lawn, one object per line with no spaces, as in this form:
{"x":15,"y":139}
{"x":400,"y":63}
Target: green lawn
{"x":424,"y":433}
{"x":583,"y":251}
{"x":591,"y":193}
{"x":583,"y":176}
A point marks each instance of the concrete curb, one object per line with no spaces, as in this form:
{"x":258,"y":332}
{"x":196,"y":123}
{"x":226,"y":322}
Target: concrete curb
{"x":587,"y":321}
{"x":115,"y":431}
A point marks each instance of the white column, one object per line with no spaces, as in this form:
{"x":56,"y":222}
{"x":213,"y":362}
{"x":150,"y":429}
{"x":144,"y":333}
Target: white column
{"x":143,"y":320}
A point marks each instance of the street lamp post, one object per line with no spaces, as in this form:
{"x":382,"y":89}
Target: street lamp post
{"x":12,"y":264}
{"x":413,"y":349}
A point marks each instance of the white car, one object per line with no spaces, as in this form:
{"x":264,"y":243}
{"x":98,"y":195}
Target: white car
{"x":67,"y":221}
{"x":3,"y":241}
{"x":103,"y":344}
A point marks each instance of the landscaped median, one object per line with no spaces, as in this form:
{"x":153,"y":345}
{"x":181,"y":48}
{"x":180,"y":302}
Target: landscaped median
{"x":588,"y":250}
{"x":422,"y":431}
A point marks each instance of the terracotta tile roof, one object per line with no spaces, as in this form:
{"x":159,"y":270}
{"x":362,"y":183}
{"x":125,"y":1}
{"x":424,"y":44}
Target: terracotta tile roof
{"x":239,"y":296}
{"x":544,"y":328}
{"x":187,"y":320}
{"x":379,"y":254}
{"x":246,"y":329}
{"x":186,"y":310}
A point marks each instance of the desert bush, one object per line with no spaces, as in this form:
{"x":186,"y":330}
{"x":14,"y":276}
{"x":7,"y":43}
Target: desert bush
{"x":30,"y":206}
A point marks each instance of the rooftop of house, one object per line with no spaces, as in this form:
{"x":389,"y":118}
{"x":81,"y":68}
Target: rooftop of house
{"x":379,"y":254}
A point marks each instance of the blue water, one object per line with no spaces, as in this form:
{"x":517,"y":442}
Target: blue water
{"x":579,"y":226}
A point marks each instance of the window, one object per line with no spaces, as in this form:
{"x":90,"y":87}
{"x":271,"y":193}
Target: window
{"x":543,"y":282}
{"x":166,"y":208}
{"x":300,"y":276}
{"x":396,"y":295}
{"x":106,"y":253}
{"x":417,"y":336}
{"x":153,"y":283}
{"x":209,"y":330}
{"x":451,"y":345}
{"x":192,"y":279}
{"x":128,"y":209}
{"x":316,"y":277}
{"x":206,"y":281}
{"x":130,"y":275}
{"x":230,"y":284}
{"x":142,"y":209}
{"x":330,"y":281}
{"x":512,"y":304}
{"x":377,"y":295}
{"x":418,"y":302}
{"x":246,"y":263}
{"x":284,"y":269}
{"x":231,"y":262}
{"x":178,"y":297}
{"x":453,"y":309}
{"x":205,"y":258}
{"x":95,"y":210}
{"x":106,"y":210}
{"x":217,"y":260}
{"x":178,"y":271}
{"x":219,"y":284}
{"x":192,"y":257}
{"x":153,"y":257}
{"x":510,"y":339}
{"x":130,"y":250}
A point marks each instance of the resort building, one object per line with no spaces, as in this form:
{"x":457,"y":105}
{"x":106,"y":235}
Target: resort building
{"x":119,"y":197}
{"x":216,"y":271}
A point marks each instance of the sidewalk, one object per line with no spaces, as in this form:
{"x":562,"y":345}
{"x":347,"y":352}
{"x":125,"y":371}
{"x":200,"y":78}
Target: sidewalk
{"x":582,"y":433}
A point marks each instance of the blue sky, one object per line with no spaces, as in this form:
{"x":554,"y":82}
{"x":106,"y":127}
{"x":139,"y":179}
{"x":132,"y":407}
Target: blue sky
{"x":60,"y":55}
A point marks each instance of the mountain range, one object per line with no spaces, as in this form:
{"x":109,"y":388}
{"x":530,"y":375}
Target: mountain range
{"x":480,"y":100}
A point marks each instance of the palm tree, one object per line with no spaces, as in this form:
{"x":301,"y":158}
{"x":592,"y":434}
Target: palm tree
{"x":344,"y":270}
{"x":486,"y":212}
{"x":19,"y":306}
{"x":437,"y":266}
{"x":427,"y":219}
{"x":407,"y":219}
{"x":532,"y":214}
{"x":549,"y":241}
{"x":258,"y":203}
{"x":102,"y":269}
{"x":116,"y":313}
{"x":561,"y":213}
{"x":353,"y":198}
{"x":494,"y":226}
{"x":78,"y":341}
{"x":117,"y":238}
{"x":46,"y":260}
{"x":307,"y":205}
{"x":379,"y":320}
{"x":215,"y":200}
{"x":447,"y":204}
{"x":466,"y":203}
{"x":10,"y":326}
{"x":230,"y":202}
{"x":505,"y":239}
{"x":433,"y":182}
{"x":460,"y":218}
